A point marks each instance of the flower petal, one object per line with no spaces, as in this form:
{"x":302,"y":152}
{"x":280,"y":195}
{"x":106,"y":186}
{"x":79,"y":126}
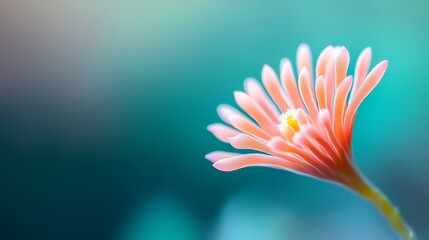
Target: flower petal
{"x":245,"y":125}
{"x":320,"y":92}
{"x":320,"y":138}
{"x":224,"y":111}
{"x":222,"y":132}
{"x":289,"y":84}
{"x":244,"y":141}
{"x":302,"y":117}
{"x":307,"y":93}
{"x":341,"y":65}
{"x":323,"y":61}
{"x":304,"y":140}
{"x":283,"y":149}
{"x":271,"y":83}
{"x":339,"y":109}
{"x":247,"y":160}
{"x":368,"y":85}
{"x":324,"y":120}
{"x":304,"y":60}
{"x":218,"y":155}
{"x":287,"y":131}
{"x":362,"y":67}
{"x":330,"y":83}
{"x":254,"y":89}
{"x":249,"y":105}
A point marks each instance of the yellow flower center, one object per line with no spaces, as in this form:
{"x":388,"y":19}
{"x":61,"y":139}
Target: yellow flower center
{"x":289,"y":118}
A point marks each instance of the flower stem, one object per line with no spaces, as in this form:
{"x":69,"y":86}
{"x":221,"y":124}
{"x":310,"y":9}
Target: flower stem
{"x":387,"y":209}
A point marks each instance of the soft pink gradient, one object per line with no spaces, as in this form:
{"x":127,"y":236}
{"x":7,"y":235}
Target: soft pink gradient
{"x":325,"y":100}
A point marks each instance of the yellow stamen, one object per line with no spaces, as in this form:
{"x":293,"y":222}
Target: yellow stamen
{"x":289,"y":118}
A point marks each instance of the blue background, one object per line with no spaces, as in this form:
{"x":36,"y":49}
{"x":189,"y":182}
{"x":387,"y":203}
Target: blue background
{"x":104,"y":107}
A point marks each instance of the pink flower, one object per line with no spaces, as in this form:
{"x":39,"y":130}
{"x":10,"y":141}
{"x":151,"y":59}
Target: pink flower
{"x":301,"y":126}
{"x":304,"y":129}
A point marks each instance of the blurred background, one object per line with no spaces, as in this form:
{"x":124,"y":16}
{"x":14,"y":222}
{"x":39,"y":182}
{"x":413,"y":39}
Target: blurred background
{"x":104,"y":107}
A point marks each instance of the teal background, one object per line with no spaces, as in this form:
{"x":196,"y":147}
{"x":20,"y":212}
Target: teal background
{"x":104,"y":107}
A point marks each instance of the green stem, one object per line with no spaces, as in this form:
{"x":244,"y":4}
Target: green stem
{"x":386,"y":208}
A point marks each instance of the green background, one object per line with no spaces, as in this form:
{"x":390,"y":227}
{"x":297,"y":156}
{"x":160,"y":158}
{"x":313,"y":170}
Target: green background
{"x":104,"y":107}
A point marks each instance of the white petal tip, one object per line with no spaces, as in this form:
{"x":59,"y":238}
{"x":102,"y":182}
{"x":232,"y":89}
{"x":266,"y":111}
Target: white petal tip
{"x":223,"y":166}
{"x":303,"y":72}
{"x":367,"y":50}
{"x":267,"y":71}
{"x":210,"y":156}
{"x":211,"y":127}
{"x":303,"y":47}
{"x":239,"y":94}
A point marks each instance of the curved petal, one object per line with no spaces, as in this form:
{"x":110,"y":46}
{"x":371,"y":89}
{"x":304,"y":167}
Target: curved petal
{"x":323,"y":61}
{"x":330,"y":84}
{"x":247,"y":160}
{"x":362,"y":67}
{"x":249,"y":105}
{"x":368,"y":85}
{"x":339,"y":109}
{"x":287,"y":131}
{"x":307,"y":93}
{"x":254,"y":89}
{"x":302,"y":117}
{"x":289,"y":84}
{"x":222,"y":132}
{"x":323,"y":143}
{"x":224,"y":111}
{"x":320,"y":92}
{"x":271,"y":83}
{"x":245,"y":125}
{"x":304,"y":60}
{"x":281,"y":149}
{"x":244,"y":141}
{"x":218,"y":155}
{"x":324,"y":120}
{"x":341,"y":65}
{"x":304,"y":141}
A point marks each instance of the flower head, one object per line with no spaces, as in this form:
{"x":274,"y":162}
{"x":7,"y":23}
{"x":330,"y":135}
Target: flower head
{"x":305,"y":127}
{"x":302,"y":125}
